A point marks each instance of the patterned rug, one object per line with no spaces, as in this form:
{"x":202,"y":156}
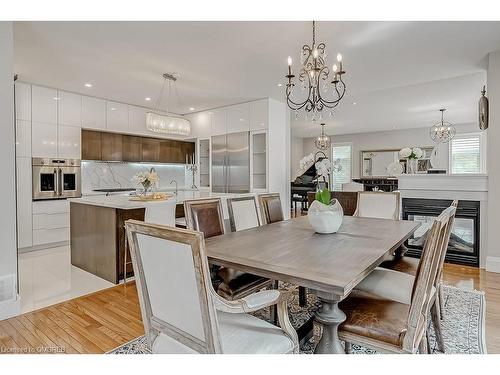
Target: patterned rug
{"x":463,"y":324}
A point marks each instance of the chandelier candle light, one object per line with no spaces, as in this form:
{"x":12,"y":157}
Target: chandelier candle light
{"x":314,"y":78}
{"x":443,"y":131}
{"x":167,"y":123}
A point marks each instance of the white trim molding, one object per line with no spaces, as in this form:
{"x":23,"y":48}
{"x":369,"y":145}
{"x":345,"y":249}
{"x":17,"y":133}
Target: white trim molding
{"x":493,"y":264}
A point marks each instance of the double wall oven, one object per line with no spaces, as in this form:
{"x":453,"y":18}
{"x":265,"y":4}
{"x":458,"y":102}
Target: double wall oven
{"x":56,"y":178}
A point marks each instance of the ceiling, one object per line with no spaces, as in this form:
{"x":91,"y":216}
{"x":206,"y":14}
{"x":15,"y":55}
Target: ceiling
{"x":398,"y":73}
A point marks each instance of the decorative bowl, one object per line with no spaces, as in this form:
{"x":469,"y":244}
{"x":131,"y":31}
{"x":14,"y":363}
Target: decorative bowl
{"x":325,"y":219}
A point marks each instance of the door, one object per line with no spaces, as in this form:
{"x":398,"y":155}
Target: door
{"x":150,"y":149}
{"x":45,"y":181}
{"x":69,"y":182}
{"x":91,"y":145}
{"x":132,"y":148}
{"x":219,"y":158}
{"x":238,"y":161}
{"x":111,"y":147}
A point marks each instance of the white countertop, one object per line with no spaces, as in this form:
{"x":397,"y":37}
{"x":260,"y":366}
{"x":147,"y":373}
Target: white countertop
{"x":122,"y":201}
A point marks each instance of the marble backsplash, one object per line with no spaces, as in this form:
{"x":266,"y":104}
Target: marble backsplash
{"x":104,"y":175}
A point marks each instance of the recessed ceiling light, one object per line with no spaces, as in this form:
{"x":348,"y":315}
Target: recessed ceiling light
{"x":354,"y":103}
{"x":88,"y":85}
{"x":191,"y":108}
{"x":56,"y":98}
{"x":147,"y":99}
{"x":280,"y":84}
{"x":113,"y":108}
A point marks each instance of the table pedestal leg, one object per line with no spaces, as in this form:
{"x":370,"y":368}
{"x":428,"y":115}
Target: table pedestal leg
{"x":329,"y":316}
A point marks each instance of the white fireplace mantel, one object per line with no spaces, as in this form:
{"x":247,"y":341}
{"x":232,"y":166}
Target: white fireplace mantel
{"x":472,"y":187}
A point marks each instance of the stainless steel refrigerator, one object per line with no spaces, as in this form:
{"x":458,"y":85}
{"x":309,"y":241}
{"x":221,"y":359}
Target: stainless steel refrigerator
{"x":231,"y":163}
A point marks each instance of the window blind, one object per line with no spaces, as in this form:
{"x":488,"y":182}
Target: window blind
{"x":342,"y":153}
{"x":465,"y":154}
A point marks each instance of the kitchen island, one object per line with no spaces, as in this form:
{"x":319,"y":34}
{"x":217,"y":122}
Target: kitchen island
{"x":97,"y":229}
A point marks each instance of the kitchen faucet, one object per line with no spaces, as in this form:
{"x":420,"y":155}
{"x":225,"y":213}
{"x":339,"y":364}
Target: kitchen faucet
{"x":175,"y":182}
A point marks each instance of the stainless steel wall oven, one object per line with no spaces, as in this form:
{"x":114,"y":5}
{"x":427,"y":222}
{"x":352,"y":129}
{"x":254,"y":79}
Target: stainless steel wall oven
{"x":56,"y":178}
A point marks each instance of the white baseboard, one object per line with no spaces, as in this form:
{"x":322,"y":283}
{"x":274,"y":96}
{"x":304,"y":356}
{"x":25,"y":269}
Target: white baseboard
{"x":10,"y":308}
{"x":493,"y":264}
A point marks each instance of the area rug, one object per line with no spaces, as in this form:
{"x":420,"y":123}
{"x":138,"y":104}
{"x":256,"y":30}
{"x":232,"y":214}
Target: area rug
{"x":463,"y":324}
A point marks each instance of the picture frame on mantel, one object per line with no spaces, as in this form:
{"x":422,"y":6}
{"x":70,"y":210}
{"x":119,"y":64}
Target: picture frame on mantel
{"x":387,"y":156}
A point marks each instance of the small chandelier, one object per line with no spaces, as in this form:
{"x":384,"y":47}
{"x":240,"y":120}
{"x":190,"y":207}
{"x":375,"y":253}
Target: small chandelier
{"x":322,"y":142}
{"x":166,"y":123}
{"x":443,"y":131}
{"x":322,"y":91}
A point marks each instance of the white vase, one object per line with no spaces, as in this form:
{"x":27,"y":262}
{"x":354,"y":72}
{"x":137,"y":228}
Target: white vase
{"x":324,"y":218}
{"x":412,"y":166}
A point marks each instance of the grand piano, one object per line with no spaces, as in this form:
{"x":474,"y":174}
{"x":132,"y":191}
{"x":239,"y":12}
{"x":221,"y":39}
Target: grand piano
{"x":303,"y":183}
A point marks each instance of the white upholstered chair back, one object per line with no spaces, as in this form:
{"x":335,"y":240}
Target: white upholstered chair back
{"x":243,"y":213}
{"x":380,"y":205}
{"x":173,"y":284}
{"x":162,"y":212}
{"x":352,"y":186}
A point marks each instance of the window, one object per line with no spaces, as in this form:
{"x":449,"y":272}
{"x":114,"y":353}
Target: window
{"x":343,"y":153}
{"x":467,"y":153}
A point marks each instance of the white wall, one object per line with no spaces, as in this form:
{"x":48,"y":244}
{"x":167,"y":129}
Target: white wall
{"x":9,"y":302}
{"x":493,"y":88}
{"x":296,"y":153}
{"x":387,"y":140}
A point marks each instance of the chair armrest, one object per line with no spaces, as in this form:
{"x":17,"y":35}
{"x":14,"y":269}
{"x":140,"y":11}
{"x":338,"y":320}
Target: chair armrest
{"x":260,"y":300}
{"x":251,"y":303}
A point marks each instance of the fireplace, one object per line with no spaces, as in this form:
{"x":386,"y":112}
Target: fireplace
{"x":464,"y":240}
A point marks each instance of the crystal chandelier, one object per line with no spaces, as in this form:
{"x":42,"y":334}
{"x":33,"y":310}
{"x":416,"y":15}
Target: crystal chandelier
{"x":443,"y":131}
{"x":322,"y":142}
{"x":314,"y":79}
{"x":167,"y":123}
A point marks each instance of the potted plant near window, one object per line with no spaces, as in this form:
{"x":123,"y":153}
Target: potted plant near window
{"x":325,"y":214}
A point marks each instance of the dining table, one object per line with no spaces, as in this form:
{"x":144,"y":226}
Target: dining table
{"x":328,"y":265}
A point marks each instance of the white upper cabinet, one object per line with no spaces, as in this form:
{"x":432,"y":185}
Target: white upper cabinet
{"x":44,"y":105}
{"x":68,"y":142}
{"x":137,"y":119}
{"x":93,"y":113}
{"x":44,"y":140}
{"x":23,"y":101}
{"x":117,"y":116}
{"x":238,"y":118}
{"x":259,"y":115}
{"x":218,"y":121}
{"x":201,"y":124}
{"x":69,"y":109}
{"x":23,"y":139}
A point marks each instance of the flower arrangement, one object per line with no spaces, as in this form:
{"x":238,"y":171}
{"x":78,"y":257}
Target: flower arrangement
{"x":323,"y":170}
{"x":306,"y":160}
{"x":146,"y":179}
{"x":411,"y":153}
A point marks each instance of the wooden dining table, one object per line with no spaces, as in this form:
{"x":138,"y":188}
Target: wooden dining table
{"x":329,"y":265}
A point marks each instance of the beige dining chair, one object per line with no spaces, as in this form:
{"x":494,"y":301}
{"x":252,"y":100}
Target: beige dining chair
{"x":410,"y":265}
{"x":377,"y":204}
{"x":353,"y":186}
{"x":194,"y":319}
{"x":206,"y":216}
{"x":243,"y":213}
{"x":392,"y":292}
{"x":161,"y":212}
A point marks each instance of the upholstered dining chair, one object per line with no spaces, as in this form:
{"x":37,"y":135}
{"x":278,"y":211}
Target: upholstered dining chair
{"x":270,"y":206}
{"x":271,"y":212}
{"x":410,"y":265}
{"x":243,"y":213}
{"x":205,"y":215}
{"x":161,"y":212}
{"x":390,"y":308}
{"x":194,"y":319}
{"x":378,"y":204}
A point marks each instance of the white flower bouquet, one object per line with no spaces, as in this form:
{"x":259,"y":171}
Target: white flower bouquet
{"x":411,"y":153}
{"x":146,"y":179}
{"x":306,"y":160}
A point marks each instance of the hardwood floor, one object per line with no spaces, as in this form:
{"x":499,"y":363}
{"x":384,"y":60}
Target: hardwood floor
{"x":101,"y":321}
